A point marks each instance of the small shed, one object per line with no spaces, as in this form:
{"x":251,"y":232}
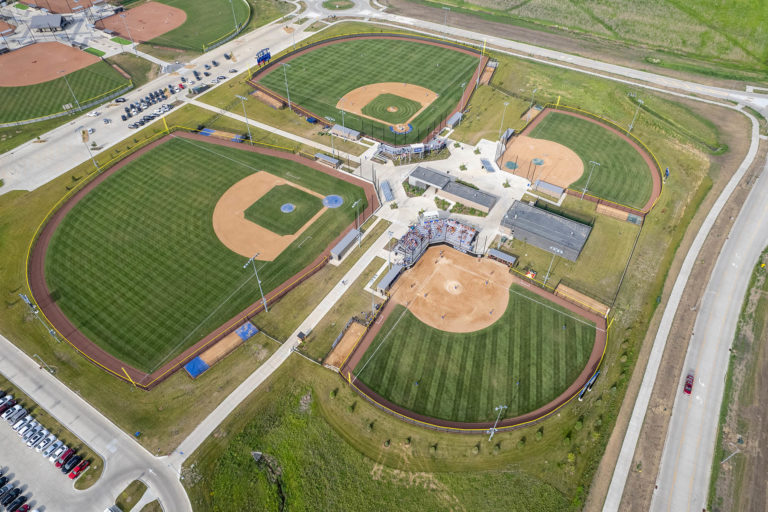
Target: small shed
{"x":548,"y":188}
{"x":346,"y":243}
{"x":386,"y":282}
{"x":47,"y":23}
{"x":328,"y":160}
{"x":344,"y":132}
{"x":454,"y":120}
{"x":503,"y":257}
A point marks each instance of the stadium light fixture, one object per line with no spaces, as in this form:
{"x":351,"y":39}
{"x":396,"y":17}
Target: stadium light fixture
{"x":546,"y":278}
{"x":492,"y":431}
{"x":133,"y":43}
{"x":245,"y":114}
{"x":504,"y":113}
{"x":533,"y":98}
{"x":233,"y":14}
{"x":64,"y":74}
{"x":261,"y":292}
{"x":447,"y":10}
{"x":287,"y":92}
{"x":634,"y":118}
{"x":592,"y":165}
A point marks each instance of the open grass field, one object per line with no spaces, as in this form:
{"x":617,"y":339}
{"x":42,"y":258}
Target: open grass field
{"x":524,"y":360}
{"x":31,"y":101}
{"x":710,"y":29}
{"x":207,"y":21}
{"x":378,"y":108}
{"x":622,"y":177}
{"x":319,"y":79}
{"x":137,"y":266}
{"x":266,"y":210}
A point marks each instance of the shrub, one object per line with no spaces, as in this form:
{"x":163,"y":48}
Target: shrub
{"x":433,"y":448}
{"x":351,"y":407}
{"x":386,"y":443}
{"x":539,"y":434}
{"x":497,"y":447}
{"x":521,"y":442}
{"x":334,"y":392}
{"x":579,"y":424}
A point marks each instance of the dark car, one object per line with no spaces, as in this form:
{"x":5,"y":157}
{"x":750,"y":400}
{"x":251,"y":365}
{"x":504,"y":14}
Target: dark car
{"x":7,"y":405}
{"x":71,"y":463}
{"x":120,"y":100}
{"x":18,"y":502}
{"x":688,"y":384}
{"x":123,"y":117}
{"x":3,"y":481}
{"x":64,"y":457}
{"x":4,"y":489}
{"x":10,"y":497}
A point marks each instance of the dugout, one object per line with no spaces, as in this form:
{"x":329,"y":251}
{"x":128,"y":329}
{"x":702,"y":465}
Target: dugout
{"x":389,"y":278}
{"x":545,"y":230}
{"x":502,"y":257}
{"x":328,"y":160}
{"x":345,"y":133}
{"x":346,"y":243}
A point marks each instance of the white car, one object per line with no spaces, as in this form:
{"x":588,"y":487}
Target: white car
{"x":36,"y":437}
{"x":91,"y":130}
{"x":10,"y":412}
{"x":23,"y":421}
{"x":26,"y":428}
{"x":33,"y":427}
{"x":52,"y":448}
{"x":57,"y":452}
{"x":93,"y":114}
{"x":5,"y":399}
{"x":45,"y":443}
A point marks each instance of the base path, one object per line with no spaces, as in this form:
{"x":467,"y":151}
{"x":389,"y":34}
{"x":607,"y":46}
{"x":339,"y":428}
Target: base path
{"x":247,"y":238}
{"x":41,"y":62}
{"x":566,"y":396}
{"x":145,"y":22}
{"x":454,"y":292}
{"x":356,"y":99}
{"x":539,"y":159}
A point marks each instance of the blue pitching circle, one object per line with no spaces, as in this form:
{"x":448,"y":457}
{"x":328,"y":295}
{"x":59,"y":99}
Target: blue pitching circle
{"x":511,"y":165}
{"x":287,"y":208}
{"x":538,"y":161}
{"x":333,"y":201}
{"x":401,"y":128}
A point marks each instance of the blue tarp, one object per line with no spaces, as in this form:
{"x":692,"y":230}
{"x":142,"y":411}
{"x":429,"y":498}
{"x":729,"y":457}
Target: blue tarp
{"x":246,"y":330}
{"x":196,"y":367}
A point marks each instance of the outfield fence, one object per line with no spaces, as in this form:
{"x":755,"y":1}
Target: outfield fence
{"x":88,"y":349}
{"x":232,"y":33}
{"x":84,"y":105}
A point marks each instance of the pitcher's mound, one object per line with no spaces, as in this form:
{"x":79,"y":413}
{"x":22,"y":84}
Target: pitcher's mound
{"x":392,"y":109}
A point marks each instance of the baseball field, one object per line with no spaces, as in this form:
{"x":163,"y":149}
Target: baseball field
{"x":623,"y":176}
{"x":524,"y":360}
{"x":49,"y":97}
{"x":138,"y":267}
{"x":377,"y":83}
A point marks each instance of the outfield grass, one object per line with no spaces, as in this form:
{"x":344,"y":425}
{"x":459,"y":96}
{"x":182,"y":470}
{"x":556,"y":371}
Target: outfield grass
{"x":207,"y":21}
{"x":317,"y":80}
{"x":31,"y":101}
{"x":266,"y":210}
{"x":622,"y":177}
{"x":137,"y":266}
{"x":293,"y":426}
{"x":378,"y":108}
{"x":141,"y":70}
{"x":524,"y":360}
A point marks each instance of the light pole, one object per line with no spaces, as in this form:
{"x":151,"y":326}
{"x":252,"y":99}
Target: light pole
{"x":634,"y":118}
{"x":342,"y":119}
{"x":35,"y":311}
{"x":261,"y":292}
{"x":233,"y":14}
{"x":502,"y":118}
{"x":592,"y":165}
{"x":546,"y":278}
{"x":42,"y":363}
{"x":533,"y":97}
{"x":64,"y":74}
{"x":500,"y":409}
{"x":389,"y":252}
{"x":133,"y":43}
{"x":287,"y":92}
{"x":90,"y":153}
{"x":245,"y":114}
{"x":447,"y":10}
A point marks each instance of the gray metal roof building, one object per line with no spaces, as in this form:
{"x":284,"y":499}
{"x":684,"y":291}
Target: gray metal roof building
{"x":343,"y":131}
{"x":344,"y":245}
{"x":386,"y":282}
{"x":503,"y":257}
{"x":548,"y":188}
{"x":545,"y":230}
{"x":454,"y":120}
{"x":328,"y":160}
{"x":465,"y":195}
{"x":428,"y":178}
{"x":52,"y":22}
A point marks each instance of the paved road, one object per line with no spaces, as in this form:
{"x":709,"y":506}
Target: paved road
{"x":124,"y":459}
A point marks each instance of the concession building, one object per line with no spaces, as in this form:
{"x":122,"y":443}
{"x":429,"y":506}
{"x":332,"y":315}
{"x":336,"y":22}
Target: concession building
{"x":545,"y":230}
{"x":451,"y":190}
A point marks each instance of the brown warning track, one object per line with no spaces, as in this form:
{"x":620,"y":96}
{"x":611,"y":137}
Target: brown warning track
{"x":566,"y":396}
{"x":99,"y":356}
{"x":468,"y":90}
{"x":652,"y":168}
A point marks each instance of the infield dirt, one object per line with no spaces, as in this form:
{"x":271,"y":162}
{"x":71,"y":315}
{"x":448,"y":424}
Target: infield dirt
{"x":41,"y":62}
{"x":455,"y":292}
{"x":561,"y":167}
{"x":356,"y":99}
{"x":145,"y":22}
{"x":247,"y":238}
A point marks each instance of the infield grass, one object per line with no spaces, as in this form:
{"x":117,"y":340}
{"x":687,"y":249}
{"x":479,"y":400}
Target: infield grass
{"x":320,"y":78}
{"x":137,"y":266}
{"x":31,"y":101}
{"x":266,"y":210}
{"x":524,"y":360}
{"x":622,"y":177}
{"x":378,"y":108}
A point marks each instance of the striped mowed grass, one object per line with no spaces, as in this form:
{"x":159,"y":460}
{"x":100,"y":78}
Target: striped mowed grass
{"x":31,"y":101}
{"x":317,"y":80}
{"x":622,"y":177}
{"x":137,"y":266}
{"x":207,"y":22}
{"x":524,"y":360}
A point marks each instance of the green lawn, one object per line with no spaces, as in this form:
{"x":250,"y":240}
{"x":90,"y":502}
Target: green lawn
{"x":378,"y":108}
{"x":524,"y":360}
{"x":31,"y":101}
{"x":317,"y":80}
{"x":95,"y":52}
{"x":207,"y":21}
{"x":622,"y":177}
{"x":266,"y":211}
{"x":122,"y":41}
{"x":137,"y":266}
{"x":131,"y":495}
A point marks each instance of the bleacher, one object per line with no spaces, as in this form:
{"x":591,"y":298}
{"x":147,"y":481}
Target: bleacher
{"x":420,"y":236}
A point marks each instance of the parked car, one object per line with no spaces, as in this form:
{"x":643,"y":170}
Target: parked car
{"x":93,"y":114}
{"x":120,"y":100}
{"x":91,"y":131}
{"x":207,"y":66}
{"x":214,"y":63}
{"x":221,"y":77}
{"x":37,"y":437}
{"x":64,"y":457}
{"x":10,"y":496}
{"x":16,"y":504}
{"x":181,"y":87}
{"x":71,"y":463}
{"x":6,"y":398}
{"x":55,"y":454}
{"x":22,"y":422}
{"x":3,"y":481}
{"x":5,"y":488}
{"x":8,"y":408}
{"x":25,"y":508}
{"x":48,"y":441}
{"x":79,"y":469}
{"x":13,"y":418}
{"x":32,"y":432}
{"x":55,"y":445}
{"x":23,"y":430}
{"x":184,"y":80}
{"x":688,"y":384}
{"x":233,"y":71}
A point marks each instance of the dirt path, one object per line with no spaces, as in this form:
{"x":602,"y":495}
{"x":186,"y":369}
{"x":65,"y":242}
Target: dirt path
{"x":41,"y":62}
{"x":345,"y":345}
{"x":145,"y":22}
{"x":247,"y":238}
{"x":356,"y":99}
